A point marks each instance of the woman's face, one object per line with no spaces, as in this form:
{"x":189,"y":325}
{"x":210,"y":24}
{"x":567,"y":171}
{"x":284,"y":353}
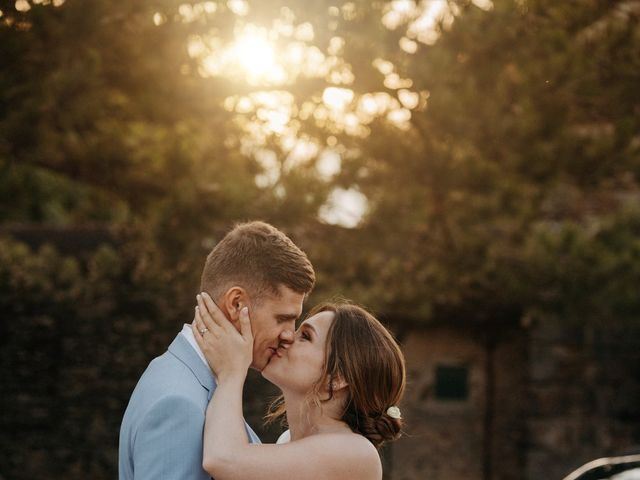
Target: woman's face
{"x":298,"y":367}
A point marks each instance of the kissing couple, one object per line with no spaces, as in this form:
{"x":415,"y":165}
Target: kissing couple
{"x":341,"y":374}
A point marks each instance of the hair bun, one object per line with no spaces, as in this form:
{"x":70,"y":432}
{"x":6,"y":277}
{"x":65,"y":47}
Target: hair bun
{"x":381,"y":429}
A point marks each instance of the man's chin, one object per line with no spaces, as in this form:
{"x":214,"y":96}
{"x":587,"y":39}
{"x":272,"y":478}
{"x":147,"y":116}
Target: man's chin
{"x":254,"y":367}
{"x":266,"y":368}
{"x":266,"y":373}
{"x":261,"y":364}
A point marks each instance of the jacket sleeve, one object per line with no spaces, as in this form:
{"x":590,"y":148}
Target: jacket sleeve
{"x":168,"y":443}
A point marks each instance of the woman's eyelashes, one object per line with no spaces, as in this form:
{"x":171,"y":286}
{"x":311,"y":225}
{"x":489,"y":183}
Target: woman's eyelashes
{"x":304,"y":335}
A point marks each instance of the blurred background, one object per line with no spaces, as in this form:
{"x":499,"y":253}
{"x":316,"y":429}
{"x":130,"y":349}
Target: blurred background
{"x":466,"y":169}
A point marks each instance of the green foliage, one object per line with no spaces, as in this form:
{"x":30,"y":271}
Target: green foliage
{"x":36,"y":284}
{"x":588,"y":273}
{"x":530,"y":126}
{"x":76,"y":333}
{"x":528,"y":136}
{"x":97,"y":289}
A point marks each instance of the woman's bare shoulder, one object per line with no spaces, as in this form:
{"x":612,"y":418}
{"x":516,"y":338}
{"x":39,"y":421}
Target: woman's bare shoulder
{"x":352,"y":455}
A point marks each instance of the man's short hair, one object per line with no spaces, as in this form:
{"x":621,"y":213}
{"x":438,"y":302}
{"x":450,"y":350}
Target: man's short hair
{"x":258,"y":257}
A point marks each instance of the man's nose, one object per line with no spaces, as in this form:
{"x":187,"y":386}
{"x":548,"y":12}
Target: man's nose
{"x":287,"y":336}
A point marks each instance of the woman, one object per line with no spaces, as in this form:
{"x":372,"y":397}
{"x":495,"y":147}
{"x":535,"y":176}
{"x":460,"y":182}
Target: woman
{"x":341,"y":381}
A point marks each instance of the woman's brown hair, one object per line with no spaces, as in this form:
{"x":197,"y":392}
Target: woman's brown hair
{"x":363,"y":353}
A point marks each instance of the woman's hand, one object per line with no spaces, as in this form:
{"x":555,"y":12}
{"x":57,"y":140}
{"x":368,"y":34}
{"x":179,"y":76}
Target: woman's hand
{"x":228,"y":351}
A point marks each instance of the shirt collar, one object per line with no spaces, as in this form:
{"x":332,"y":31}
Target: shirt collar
{"x":188,"y":334}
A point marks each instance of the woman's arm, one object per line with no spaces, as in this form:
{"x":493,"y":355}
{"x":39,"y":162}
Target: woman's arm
{"x":224,"y":432}
{"x":229,"y":354}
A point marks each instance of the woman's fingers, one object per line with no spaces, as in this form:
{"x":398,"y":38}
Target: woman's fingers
{"x":205,"y":326}
{"x":204,"y":343}
{"x":196,"y":325}
{"x":208,"y":306}
{"x":226,"y":350}
{"x":208,"y":320}
{"x":210,"y":317}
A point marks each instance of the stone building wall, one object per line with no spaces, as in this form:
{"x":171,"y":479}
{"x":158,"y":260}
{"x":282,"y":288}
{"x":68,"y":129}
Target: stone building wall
{"x":584,"y":395}
{"x":448,"y":439}
{"x":563,"y":395}
{"x":511,"y":403}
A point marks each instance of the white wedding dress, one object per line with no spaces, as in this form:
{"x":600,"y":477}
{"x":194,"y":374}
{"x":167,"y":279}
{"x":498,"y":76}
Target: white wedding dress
{"x":285,"y":437}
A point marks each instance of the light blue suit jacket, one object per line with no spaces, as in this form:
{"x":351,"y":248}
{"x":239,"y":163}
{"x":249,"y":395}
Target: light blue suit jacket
{"x":161,"y":432}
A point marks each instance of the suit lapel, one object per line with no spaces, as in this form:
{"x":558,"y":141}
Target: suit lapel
{"x":181,"y":349}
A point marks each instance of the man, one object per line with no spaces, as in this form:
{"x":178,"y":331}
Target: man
{"x":254,"y":265}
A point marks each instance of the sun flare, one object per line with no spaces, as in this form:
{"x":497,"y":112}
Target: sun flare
{"x":256,"y":56}
{"x":252,"y":55}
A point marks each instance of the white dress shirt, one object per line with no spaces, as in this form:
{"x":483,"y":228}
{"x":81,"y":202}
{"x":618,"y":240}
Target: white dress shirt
{"x":188,"y":334}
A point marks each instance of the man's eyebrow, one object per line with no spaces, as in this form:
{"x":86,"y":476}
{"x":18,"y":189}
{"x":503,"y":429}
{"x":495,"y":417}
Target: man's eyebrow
{"x":286,"y":317}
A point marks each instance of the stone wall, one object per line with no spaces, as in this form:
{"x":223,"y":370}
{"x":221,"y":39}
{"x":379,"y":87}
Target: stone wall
{"x":584,"y":395}
{"x":563,"y":395}
{"x":451,"y":439}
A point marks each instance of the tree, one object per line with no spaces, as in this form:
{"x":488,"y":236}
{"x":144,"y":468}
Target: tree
{"x":523,"y":130}
{"x":468,"y":130}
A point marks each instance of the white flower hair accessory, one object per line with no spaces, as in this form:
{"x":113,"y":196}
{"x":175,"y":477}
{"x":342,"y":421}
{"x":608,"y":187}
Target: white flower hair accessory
{"x":394,"y":412}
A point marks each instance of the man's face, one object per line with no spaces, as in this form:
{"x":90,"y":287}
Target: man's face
{"x":273,"y":323}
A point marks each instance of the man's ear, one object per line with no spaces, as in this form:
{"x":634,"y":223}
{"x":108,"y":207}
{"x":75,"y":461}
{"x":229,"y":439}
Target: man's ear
{"x":232,"y":302}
